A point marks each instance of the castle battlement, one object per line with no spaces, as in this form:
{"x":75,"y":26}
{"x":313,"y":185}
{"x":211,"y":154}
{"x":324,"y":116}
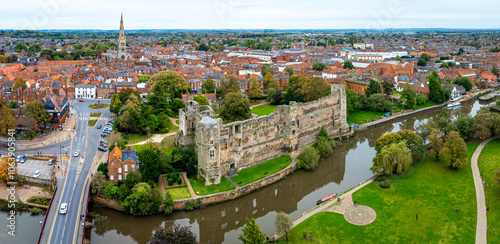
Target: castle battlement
{"x":226,"y":148}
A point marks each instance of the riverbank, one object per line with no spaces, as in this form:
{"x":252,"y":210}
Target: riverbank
{"x":419,"y":207}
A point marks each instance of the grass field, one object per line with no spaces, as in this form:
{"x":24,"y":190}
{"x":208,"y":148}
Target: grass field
{"x":92,"y":122}
{"x":201,"y":190}
{"x":357,"y":117}
{"x":95,"y":114}
{"x":429,"y":189}
{"x":263,"y":109}
{"x":135,"y":138}
{"x":489,"y":162}
{"x":249,"y":175}
{"x":179,"y":192}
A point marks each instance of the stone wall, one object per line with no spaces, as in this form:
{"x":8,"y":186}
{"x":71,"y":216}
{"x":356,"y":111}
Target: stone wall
{"x":224,"y":148}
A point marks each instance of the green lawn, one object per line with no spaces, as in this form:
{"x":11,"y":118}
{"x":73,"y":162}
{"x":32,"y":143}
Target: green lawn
{"x":135,"y":138}
{"x":263,"y":109}
{"x":358,"y":116}
{"x":249,"y":175}
{"x":92,"y":122}
{"x":252,"y":103}
{"x":179,"y":192}
{"x":428,"y":103}
{"x":201,"y":190}
{"x":429,"y":189}
{"x":158,"y":187}
{"x":95,"y":114}
{"x":489,"y":162}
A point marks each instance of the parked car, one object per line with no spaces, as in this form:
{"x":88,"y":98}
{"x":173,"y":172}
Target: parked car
{"x":112,"y":121}
{"x":101,"y":148}
{"x":103,"y":141}
{"x":64,"y":208}
{"x":51,"y":161}
{"x":77,"y":153}
{"x":36,"y":174}
{"x":104,"y":134}
{"x":21,"y":159}
{"x":99,"y":126}
{"x":103,"y":145}
{"x":81,"y":100}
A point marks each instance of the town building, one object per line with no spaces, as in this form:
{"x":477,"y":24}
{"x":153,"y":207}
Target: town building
{"x":120,"y":163}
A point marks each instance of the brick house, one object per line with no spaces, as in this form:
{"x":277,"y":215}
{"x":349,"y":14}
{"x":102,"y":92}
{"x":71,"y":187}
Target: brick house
{"x":120,"y":163}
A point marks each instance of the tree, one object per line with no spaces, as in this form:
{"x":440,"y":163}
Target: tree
{"x":282,"y":223}
{"x":169,"y":84}
{"x":174,"y":235}
{"x":130,"y":120}
{"x":463,"y":125}
{"x":312,"y":88}
{"x":323,"y":132}
{"x":143,"y":199}
{"x":486,"y":124}
{"x":271,"y":95}
{"x":437,"y":94}
{"x":228,"y":85}
{"x":309,"y":158}
{"x":270,"y":82}
{"x":445,"y":123}
{"x":324,"y":147}
{"x":127,"y":93}
{"x":435,"y":142}
{"x":252,"y":233}
{"x":465,"y":82}
{"x":20,"y":46}
{"x":378,"y":103}
{"x":103,"y":168}
{"x":201,"y":99}
{"x":494,"y":70}
{"x":319,"y":66}
{"x":98,"y":183}
{"x":414,"y":142}
{"x":5,"y":164}
{"x":20,"y":83}
{"x":148,"y":122}
{"x":7,"y":120}
{"x":373,"y":88}
{"x":116,"y":104}
{"x":352,"y":100}
{"x":454,"y":152}
{"x":132,"y":178}
{"x":421,"y":62}
{"x":426,"y":57}
{"x":266,"y":69}
{"x":177,"y":104}
{"x":208,"y":86}
{"x":35,"y":47}
{"x":348,"y":65}
{"x":235,"y":108}
{"x":13,"y":104}
{"x":37,"y":110}
{"x":150,"y":162}
{"x":289,"y":71}
{"x":168,"y":203}
{"x":421,"y":99}
{"x":144,"y":78}
{"x":392,"y":158}
{"x":398,"y":58}
{"x":255,"y":90}
{"x":408,"y":97}
{"x":388,"y":87}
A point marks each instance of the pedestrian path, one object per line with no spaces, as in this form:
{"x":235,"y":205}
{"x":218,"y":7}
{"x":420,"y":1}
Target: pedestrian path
{"x":482,"y":222}
{"x":232,"y":182}
{"x":156,"y":138}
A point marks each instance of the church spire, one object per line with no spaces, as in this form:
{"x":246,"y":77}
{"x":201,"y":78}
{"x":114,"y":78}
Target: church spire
{"x":122,"y":41}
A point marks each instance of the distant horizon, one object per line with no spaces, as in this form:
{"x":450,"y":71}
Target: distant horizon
{"x":258,"y":14}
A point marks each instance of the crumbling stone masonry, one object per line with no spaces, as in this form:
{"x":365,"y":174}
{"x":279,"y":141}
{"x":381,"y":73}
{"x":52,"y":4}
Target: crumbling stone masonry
{"x":226,"y":148}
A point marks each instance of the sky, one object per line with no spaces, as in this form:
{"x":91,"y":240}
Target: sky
{"x":255,"y":14}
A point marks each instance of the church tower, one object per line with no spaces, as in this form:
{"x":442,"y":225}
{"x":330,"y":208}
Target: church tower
{"x":122,"y":42}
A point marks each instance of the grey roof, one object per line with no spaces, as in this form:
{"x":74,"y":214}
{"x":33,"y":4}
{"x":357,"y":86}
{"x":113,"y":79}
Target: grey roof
{"x":129,"y":154}
{"x":208,"y":121}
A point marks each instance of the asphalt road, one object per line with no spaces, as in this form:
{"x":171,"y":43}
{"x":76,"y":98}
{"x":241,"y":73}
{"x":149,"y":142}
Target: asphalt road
{"x":86,"y":140}
{"x":52,"y":149}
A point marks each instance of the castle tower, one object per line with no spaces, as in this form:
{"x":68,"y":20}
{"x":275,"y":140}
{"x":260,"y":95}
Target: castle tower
{"x":122,"y":42}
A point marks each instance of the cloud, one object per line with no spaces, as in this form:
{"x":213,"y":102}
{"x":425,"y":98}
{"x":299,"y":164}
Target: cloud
{"x":240,"y":14}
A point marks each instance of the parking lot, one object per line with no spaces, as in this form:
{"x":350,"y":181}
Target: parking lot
{"x":28,"y":168}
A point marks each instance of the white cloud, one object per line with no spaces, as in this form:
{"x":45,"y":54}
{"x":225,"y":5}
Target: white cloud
{"x":240,"y":14}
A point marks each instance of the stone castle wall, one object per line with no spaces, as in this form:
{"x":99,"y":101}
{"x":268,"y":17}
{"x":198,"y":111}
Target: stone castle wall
{"x":223,"y":148}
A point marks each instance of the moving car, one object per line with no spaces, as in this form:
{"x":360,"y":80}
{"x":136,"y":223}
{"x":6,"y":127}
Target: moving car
{"x":77,"y":153}
{"x":36,"y":174}
{"x":101,"y":148}
{"x":81,"y":100}
{"x":99,"y":126}
{"x":64,"y":208}
{"x":51,"y":161}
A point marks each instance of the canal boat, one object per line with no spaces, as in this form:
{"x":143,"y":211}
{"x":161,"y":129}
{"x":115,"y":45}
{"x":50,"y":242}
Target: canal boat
{"x":452,"y":105}
{"x":324,"y":199}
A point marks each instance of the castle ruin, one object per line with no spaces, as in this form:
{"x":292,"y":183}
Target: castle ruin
{"x":226,"y":148}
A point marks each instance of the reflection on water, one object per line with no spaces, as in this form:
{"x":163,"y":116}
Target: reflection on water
{"x":295,"y":195}
{"x":27,"y":228}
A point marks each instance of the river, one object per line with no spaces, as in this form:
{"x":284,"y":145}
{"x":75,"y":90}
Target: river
{"x":27,"y":228}
{"x":222,"y":223}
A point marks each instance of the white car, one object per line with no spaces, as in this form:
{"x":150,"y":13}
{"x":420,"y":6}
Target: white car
{"x":77,"y":153}
{"x":36,"y":174}
{"x":64,"y":208}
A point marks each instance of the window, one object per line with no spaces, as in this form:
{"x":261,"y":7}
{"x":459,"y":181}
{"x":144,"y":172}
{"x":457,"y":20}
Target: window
{"x":126,"y":168}
{"x":133,"y":167}
{"x":119,"y":170}
{"x":212,"y":153}
{"x":111,"y":177}
{"x":211,"y":141}
{"x":119,"y":177}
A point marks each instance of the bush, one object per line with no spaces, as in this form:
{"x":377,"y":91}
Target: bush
{"x":179,"y":180}
{"x":324,"y":147}
{"x":189,"y":205}
{"x":421,"y":99}
{"x":385,"y":184}
{"x":193,"y":204}
{"x":309,"y":158}
{"x":39,"y":200}
{"x":380,"y":178}
{"x":34,"y":211}
{"x":170,"y":181}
